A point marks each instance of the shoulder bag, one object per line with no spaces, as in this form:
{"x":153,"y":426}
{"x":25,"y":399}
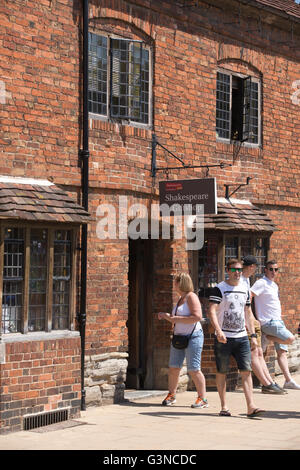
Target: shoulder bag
{"x":181,"y":341}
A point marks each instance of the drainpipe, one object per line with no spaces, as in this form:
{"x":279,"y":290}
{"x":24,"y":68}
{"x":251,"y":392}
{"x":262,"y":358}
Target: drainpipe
{"x":84,"y":154}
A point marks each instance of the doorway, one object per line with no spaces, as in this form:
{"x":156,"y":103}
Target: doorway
{"x":140,"y":314}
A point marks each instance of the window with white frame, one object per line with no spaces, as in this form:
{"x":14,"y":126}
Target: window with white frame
{"x":238,"y":109}
{"x":119,"y":78}
{"x":37,"y":278}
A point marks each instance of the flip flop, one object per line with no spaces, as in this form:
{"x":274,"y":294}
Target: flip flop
{"x":224,"y":413}
{"x":256,"y":412}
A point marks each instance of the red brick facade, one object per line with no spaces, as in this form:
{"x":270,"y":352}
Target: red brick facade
{"x":41,"y":83}
{"x":37,"y":377}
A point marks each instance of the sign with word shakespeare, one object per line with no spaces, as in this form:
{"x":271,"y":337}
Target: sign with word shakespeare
{"x":189,"y":196}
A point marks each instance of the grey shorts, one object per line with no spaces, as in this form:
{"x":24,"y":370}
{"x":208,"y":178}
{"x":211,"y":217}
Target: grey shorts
{"x":239,"y":348}
{"x":278,"y":329}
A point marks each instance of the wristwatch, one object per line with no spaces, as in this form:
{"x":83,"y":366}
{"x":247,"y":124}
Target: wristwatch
{"x":254,"y":335}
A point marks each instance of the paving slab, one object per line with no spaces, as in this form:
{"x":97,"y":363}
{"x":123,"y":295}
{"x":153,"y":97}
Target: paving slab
{"x":141,"y":423}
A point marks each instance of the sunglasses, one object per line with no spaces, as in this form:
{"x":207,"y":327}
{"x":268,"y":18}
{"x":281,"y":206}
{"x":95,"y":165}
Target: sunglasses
{"x":273,"y":269}
{"x":235,"y":270}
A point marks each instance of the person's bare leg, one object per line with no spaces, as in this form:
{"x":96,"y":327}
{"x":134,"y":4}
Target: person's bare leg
{"x":221,"y":386}
{"x":248,"y":391}
{"x":263,"y":365}
{"x":199,"y":381}
{"x":258,"y":369}
{"x":283,"y":364}
{"x":275,"y":339}
{"x":173,"y":379}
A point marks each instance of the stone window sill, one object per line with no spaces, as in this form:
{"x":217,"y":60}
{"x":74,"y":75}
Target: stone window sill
{"x":38,"y":336}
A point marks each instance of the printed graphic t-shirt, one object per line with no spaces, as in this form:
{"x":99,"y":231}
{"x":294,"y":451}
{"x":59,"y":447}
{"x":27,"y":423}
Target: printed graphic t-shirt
{"x":230,"y":312}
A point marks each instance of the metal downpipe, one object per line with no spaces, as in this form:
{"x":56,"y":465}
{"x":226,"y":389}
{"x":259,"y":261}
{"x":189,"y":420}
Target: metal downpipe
{"x":84,"y":153}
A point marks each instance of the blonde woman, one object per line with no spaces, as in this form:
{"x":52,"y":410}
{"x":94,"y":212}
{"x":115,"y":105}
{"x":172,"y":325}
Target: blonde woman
{"x":185,"y":318}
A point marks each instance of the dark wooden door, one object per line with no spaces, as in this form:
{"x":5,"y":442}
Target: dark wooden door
{"x":140,"y":347}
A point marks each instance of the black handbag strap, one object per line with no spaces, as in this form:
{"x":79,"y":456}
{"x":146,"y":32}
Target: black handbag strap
{"x":175,"y":316}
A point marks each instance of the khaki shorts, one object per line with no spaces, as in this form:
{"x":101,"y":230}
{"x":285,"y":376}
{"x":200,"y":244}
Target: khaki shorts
{"x":258,"y":332}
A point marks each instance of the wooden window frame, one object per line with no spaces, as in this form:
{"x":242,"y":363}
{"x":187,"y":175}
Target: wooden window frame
{"x":51,"y":228}
{"x":254,"y":79}
{"x":108,"y":115}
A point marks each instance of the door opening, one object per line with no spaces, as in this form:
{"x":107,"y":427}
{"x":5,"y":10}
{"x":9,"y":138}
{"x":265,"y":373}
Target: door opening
{"x":140,"y":338}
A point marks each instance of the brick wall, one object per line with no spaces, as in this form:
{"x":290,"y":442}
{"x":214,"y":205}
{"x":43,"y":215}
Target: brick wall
{"x":40,"y":71}
{"x":42,"y":99}
{"x":186,"y":56}
{"x":39,"y":376}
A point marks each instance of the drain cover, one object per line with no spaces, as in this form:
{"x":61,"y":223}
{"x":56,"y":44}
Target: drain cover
{"x":71,"y":423}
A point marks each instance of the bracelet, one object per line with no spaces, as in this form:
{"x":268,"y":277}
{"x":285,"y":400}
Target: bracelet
{"x":254,"y":335}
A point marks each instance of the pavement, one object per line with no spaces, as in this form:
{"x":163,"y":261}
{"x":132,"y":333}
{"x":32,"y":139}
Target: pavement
{"x":141,"y":423}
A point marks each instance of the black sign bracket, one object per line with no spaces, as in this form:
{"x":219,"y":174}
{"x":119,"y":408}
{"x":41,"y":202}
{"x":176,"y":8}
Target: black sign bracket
{"x":227,"y":186}
{"x":155,"y":169}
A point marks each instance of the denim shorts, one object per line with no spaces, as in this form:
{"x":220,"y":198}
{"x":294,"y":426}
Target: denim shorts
{"x":239,"y":348}
{"x":192,"y":353}
{"x":277,"y":328}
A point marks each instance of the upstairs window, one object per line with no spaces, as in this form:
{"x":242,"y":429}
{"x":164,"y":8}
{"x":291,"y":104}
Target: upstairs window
{"x":238,"y":108}
{"x":119,"y":78}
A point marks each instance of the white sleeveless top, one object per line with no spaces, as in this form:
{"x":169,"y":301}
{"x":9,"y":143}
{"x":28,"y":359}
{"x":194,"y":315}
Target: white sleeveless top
{"x":184,"y":328}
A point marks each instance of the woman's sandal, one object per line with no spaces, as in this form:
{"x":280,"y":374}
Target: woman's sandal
{"x":224,"y":413}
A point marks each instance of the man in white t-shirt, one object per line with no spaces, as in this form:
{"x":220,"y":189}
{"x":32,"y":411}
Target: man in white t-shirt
{"x":259,"y":365}
{"x":268,"y":312}
{"x":229,"y":305}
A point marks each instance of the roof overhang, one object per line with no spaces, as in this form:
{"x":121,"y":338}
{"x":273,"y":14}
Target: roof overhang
{"x":37,"y":200}
{"x":237,"y":215}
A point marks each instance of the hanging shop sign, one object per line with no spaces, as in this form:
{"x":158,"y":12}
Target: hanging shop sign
{"x":189,"y":195}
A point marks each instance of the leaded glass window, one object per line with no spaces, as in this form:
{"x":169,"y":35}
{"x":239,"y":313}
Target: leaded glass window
{"x":119,"y":78}
{"x":37,"y":280}
{"x":261,"y":254}
{"x":223,"y":122}
{"x":13,"y":277}
{"x":237,"y":108}
{"x":38,"y":273}
{"x":207,"y":270}
{"x":98,"y":61}
{"x":61,"y":279}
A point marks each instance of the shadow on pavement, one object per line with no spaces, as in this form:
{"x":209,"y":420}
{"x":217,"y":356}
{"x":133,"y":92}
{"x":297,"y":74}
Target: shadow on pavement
{"x":276,"y":414}
{"x":180,"y":414}
{"x":139,"y":404}
{"x":170,"y":412}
